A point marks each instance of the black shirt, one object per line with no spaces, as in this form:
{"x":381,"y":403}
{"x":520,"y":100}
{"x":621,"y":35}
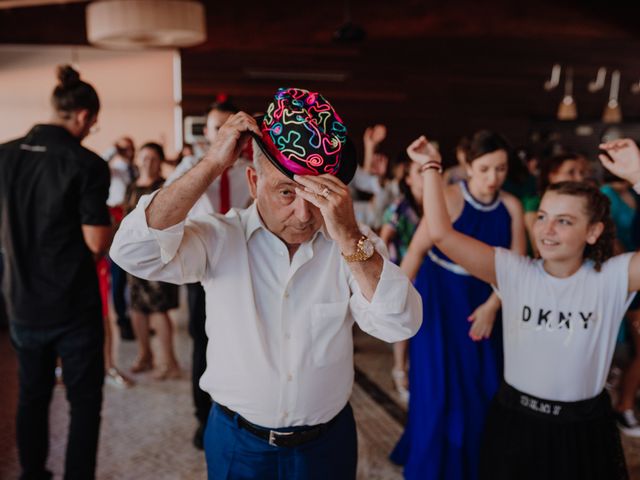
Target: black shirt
{"x":49,"y":187}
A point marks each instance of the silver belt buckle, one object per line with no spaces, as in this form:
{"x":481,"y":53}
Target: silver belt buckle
{"x":273,"y":436}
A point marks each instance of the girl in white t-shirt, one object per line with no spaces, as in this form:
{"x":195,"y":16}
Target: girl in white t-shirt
{"x":552,"y":418}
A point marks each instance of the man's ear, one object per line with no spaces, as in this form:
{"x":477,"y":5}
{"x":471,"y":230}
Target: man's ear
{"x":82,"y":116}
{"x":593,"y":232}
{"x":252,"y":180}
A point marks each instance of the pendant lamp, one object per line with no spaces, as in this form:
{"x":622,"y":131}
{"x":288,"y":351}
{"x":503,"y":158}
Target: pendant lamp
{"x":138,"y":24}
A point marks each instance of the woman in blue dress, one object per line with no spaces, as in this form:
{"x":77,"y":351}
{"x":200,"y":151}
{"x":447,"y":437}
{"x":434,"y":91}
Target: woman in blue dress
{"x":456,"y":367}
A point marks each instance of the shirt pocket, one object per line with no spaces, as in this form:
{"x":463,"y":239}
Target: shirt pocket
{"x":331,"y":333}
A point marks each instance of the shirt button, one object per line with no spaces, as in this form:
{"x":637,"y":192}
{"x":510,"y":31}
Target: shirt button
{"x":287,"y":336}
{"x":289,"y":377}
{"x":286,"y":294}
{"x":285,"y":414}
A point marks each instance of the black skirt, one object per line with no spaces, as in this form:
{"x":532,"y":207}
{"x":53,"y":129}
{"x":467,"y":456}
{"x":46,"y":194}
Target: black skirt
{"x":152,"y":297}
{"x":530,"y":438}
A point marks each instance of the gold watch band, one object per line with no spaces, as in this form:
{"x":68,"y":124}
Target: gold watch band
{"x":361,"y":255}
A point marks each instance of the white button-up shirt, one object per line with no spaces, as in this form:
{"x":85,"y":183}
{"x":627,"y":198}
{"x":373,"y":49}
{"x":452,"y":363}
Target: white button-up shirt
{"x":280,"y":349}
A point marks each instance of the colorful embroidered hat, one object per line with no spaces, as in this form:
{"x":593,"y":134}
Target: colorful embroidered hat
{"x":303,"y":135}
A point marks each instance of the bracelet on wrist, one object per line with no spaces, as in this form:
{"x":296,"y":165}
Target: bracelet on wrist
{"x":430,"y":162}
{"x":432,"y":165}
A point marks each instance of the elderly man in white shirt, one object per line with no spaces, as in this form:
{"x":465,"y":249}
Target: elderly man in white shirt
{"x":285,"y":279}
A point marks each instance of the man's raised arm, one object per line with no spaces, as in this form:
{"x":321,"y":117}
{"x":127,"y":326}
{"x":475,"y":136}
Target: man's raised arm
{"x":153,"y":241}
{"x":171,"y":205}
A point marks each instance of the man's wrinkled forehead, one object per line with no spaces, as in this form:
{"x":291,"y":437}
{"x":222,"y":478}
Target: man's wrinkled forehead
{"x":282,"y":183}
{"x":266,"y":169}
{"x":275,"y":177}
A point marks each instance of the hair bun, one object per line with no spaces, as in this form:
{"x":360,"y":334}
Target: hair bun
{"x":67,"y":76}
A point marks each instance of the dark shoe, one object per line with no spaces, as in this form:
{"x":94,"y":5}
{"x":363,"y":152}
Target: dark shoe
{"x":627,"y":423}
{"x":126,"y":332}
{"x":44,"y":475}
{"x":198,"y":438}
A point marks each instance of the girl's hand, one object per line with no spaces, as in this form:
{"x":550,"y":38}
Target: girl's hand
{"x":421,"y":151}
{"x":375,"y":135}
{"x":624,"y":159}
{"x":483,"y":319}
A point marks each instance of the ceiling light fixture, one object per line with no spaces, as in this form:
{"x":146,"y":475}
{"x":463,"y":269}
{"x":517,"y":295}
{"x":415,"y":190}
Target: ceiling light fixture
{"x":134,"y":24}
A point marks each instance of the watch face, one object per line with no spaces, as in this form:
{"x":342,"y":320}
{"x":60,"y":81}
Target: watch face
{"x":367,"y":247}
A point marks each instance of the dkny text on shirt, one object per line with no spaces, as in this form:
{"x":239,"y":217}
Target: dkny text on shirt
{"x":556,"y":320}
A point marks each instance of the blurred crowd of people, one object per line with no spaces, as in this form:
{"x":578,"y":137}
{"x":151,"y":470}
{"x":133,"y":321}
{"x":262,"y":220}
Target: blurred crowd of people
{"x":447,"y":374}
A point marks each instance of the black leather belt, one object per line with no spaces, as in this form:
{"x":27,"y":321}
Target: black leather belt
{"x":276,"y":438}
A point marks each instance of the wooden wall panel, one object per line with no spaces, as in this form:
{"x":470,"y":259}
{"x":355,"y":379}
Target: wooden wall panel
{"x":441,"y":67}
{"x":442,"y":86}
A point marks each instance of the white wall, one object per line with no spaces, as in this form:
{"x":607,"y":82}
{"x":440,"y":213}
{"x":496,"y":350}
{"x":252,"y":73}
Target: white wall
{"x":136,"y":91}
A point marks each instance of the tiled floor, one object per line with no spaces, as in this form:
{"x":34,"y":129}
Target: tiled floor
{"x":147,"y":430}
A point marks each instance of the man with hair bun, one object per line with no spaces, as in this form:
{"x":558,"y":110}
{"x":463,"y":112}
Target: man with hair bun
{"x":54,"y":219}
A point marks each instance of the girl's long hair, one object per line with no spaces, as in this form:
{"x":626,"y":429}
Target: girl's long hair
{"x":405,"y":189}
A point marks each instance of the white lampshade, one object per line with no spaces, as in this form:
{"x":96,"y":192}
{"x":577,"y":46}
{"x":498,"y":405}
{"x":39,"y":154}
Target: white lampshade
{"x":130,"y":24}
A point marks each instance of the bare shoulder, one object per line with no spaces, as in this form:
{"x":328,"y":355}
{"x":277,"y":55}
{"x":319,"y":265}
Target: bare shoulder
{"x":512,"y":203}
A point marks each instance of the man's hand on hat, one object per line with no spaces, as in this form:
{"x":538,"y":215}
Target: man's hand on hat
{"x":231,"y":139}
{"x":333,"y":199}
{"x":421,"y":151}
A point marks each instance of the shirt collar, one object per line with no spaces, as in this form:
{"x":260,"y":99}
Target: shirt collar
{"x":48,"y":132}
{"x":254,"y":222}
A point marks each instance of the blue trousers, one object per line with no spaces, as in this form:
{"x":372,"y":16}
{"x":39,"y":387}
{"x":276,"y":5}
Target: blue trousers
{"x":233,"y":453}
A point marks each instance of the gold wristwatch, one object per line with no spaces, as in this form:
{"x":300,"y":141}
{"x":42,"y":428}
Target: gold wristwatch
{"x":364,"y":251}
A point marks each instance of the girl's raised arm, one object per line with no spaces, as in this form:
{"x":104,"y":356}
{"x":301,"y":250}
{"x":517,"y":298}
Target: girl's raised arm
{"x":418,"y":248}
{"x":623,"y":160}
{"x":475,"y":256}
